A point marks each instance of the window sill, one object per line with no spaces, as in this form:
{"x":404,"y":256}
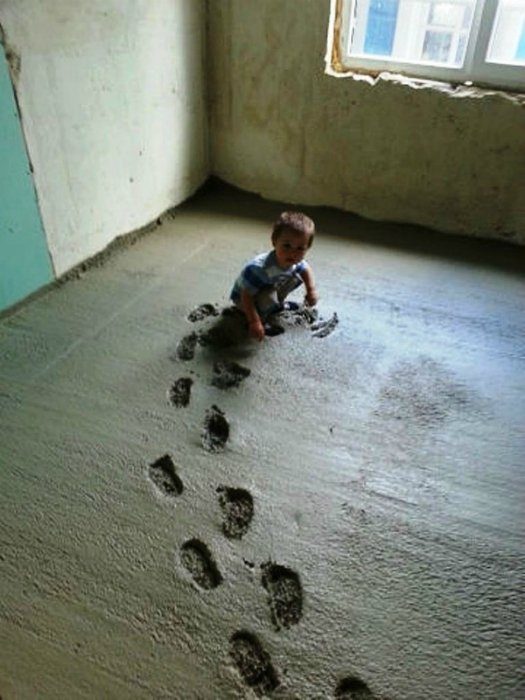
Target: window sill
{"x":454,"y":90}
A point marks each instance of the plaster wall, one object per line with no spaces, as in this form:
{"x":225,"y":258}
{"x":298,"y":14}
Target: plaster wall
{"x":452,"y":160}
{"x":113,"y":109}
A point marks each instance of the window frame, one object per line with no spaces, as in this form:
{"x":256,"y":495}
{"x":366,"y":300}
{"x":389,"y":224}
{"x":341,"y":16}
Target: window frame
{"x":476,"y":69}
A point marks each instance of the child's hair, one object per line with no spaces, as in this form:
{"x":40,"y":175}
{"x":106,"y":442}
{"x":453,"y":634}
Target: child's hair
{"x":295,"y":221}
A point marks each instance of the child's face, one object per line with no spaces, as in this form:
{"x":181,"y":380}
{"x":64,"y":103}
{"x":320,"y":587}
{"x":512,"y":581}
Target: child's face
{"x":290,"y":247}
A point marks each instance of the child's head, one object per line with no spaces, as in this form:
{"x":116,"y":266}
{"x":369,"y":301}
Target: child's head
{"x":292,"y":235}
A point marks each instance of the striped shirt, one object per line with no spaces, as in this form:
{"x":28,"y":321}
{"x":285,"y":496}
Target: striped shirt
{"x":263,"y":272}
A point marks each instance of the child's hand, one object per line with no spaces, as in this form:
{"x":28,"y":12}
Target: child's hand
{"x":257,"y":329}
{"x":311,"y":297}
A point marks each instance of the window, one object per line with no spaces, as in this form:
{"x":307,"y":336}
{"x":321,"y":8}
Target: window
{"x":481,"y":41}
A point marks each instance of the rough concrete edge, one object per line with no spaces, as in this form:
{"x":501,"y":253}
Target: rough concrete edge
{"x":98,"y":259}
{"x":451,"y":89}
{"x":333,"y":40}
{"x":127,"y":239}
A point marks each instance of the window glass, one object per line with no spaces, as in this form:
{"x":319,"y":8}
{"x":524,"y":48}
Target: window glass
{"x":412,"y":30}
{"x":476,"y":41}
{"x":436,"y":47}
{"x":381,"y":27}
{"x":507,"y":43}
{"x":446,"y":13}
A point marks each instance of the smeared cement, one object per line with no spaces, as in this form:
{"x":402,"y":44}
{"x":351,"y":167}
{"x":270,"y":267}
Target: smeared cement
{"x":383,"y":462}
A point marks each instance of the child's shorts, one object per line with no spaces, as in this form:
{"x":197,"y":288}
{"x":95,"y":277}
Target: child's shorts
{"x":270,"y":301}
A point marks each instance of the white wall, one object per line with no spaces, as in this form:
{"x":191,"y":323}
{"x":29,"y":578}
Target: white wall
{"x":112,"y":95}
{"x":450,"y":160}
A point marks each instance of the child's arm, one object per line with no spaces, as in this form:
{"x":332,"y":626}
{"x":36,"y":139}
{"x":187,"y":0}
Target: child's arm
{"x":254,"y":320}
{"x":311,"y":296}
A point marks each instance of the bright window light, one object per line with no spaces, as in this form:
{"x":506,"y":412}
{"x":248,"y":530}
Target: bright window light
{"x":481,"y":41}
{"x":507,"y":41}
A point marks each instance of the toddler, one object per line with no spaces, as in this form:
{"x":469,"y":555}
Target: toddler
{"x":265,"y":282}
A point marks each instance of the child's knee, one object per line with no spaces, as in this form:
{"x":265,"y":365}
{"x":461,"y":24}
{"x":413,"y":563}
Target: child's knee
{"x":267,"y":302}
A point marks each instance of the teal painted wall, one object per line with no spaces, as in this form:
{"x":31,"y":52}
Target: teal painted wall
{"x":24,"y":258}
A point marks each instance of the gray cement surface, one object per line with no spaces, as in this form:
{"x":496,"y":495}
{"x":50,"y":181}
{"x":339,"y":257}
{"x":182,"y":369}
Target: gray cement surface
{"x":354,"y":528}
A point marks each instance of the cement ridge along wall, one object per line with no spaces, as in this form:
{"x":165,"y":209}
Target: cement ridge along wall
{"x":451,"y":160}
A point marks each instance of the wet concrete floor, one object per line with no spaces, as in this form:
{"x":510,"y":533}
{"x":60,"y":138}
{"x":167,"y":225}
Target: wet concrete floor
{"x":345,"y":520}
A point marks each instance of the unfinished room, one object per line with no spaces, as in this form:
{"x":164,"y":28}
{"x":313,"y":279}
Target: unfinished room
{"x":262,"y":349}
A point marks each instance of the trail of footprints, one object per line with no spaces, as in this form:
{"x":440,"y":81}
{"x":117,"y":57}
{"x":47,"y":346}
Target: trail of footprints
{"x":282,"y":584}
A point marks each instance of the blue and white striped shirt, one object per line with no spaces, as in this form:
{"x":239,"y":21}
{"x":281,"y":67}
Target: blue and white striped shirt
{"x":263,"y":272}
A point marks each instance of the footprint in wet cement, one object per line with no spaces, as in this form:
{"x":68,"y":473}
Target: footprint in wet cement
{"x":285,"y":594}
{"x":298,"y":314}
{"x":228,"y":374}
{"x":203,"y":311}
{"x":186,"y":347}
{"x":180,"y":391}
{"x":352,"y":688}
{"x":253,"y":662}
{"x":162,"y":473}
{"x":321,"y":328}
{"x":216,"y":430}
{"x":198,"y":561}
{"x":237,"y":508}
